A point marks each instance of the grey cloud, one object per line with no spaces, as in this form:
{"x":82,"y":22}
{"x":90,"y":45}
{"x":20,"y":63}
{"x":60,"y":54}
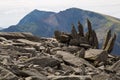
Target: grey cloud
{"x":11,"y":11}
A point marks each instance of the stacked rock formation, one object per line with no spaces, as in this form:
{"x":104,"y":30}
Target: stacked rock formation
{"x":87,"y":40}
{"x":68,"y":57}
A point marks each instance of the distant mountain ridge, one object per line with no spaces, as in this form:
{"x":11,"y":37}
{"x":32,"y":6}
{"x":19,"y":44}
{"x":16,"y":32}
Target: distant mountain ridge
{"x":42,"y":23}
{"x":1,"y":28}
{"x":39,"y":21}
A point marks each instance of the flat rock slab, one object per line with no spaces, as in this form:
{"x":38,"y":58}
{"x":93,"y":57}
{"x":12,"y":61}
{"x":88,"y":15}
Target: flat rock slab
{"x":2,"y":39}
{"x":73,"y":60}
{"x":72,"y":77}
{"x":7,"y":75}
{"x":115,"y":66}
{"x":34,"y":75}
{"x":28,"y":42}
{"x":101,"y":77}
{"x":43,"y":62}
{"x":19,"y":35}
{"x":96,"y":54}
{"x":71,"y":49}
{"x":15,"y":35}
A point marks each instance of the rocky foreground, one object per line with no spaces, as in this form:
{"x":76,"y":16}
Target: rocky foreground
{"x":26,"y":57}
{"x":73,"y":56}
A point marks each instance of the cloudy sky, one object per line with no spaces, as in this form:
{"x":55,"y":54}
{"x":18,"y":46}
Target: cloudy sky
{"x":11,"y":11}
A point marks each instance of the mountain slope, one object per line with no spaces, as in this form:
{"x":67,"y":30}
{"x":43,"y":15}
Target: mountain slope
{"x":33,"y":22}
{"x":43,"y":23}
{"x":1,"y":28}
{"x":38,"y":22}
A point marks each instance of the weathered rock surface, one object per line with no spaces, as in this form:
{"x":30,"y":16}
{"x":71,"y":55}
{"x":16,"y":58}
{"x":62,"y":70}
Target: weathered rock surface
{"x":89,"y":40}
{"x":115,"y":67}
{"x":72,"y":60}
{"x":72,"y":77}
{"x":7,"y":75}
{"x":14,"y":35}
{"x":96,"y":55}
{"x":43,"y":62}
{"x":50,"y":59}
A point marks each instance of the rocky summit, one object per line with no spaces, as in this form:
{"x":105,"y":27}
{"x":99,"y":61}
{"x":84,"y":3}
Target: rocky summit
{"x":68,"y":56}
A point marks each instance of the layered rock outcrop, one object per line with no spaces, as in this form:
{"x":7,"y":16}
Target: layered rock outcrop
{"x":72,"y":56}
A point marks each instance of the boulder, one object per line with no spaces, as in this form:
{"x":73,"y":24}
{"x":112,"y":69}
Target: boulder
{"x":19,"y":35}
{"x":115,"y":67}
{"x":7,"y":61}
{"x":64,"y":38}
{"x":70,"y":59}
{"x":101,"y":77}
{"x":96,"y":55}
{"x":2,"y":39}
{"x":43,"y":62}
{"x":31,"y":37}
{"x":7,"y":75}
{"x":74,"y":42}
{"x":28,"y":42}
{"x":71,"y":49}
{"x":80,"y":53}
{"x":34,"y":75}
{"x":11,"y":35}
{"x":80,"y":70}
{"x":61,"y":37}
{"x":67,"y":70}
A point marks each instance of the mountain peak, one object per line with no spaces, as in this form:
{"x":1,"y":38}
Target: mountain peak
{"x":73,"y":8}
{"x":41,"y":11}
{"x":44,"y":23}
{"x":35,"y":16}
{"x":35,"y":10}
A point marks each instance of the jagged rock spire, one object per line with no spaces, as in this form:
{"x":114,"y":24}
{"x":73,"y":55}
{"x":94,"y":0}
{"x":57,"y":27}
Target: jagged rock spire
{"x":95,"y":41}
{"x":107,"y":38}
{"x":74,"y":32}
{"x":89,"y":39}
{"x":89,"y":26}
{"x":110,"y":44}
{"x":89,"y":34}
{"x":80,"y":29}
{"x":57,"y":34}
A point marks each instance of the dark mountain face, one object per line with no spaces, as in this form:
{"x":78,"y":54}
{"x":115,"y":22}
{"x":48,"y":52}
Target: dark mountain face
{"x":34,"y":22}
{"x":44,"y":24}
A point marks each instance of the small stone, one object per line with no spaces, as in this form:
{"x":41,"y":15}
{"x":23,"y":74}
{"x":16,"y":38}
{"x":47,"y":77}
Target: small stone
{"x":42,"y":48}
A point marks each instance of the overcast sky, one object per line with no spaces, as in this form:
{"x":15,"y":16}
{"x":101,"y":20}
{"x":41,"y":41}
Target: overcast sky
{"x":11,"y":11}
